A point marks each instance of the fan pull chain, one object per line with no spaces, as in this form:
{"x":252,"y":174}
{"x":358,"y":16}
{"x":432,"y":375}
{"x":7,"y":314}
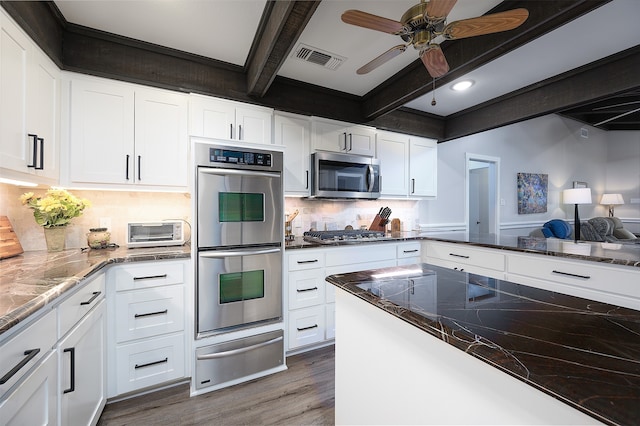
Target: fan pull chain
{"x":433,"y":101}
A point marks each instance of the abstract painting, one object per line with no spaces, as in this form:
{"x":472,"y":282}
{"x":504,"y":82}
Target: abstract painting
{"x":532,"y":193}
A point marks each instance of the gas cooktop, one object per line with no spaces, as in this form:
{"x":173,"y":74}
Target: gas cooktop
{"x":347,"y":235}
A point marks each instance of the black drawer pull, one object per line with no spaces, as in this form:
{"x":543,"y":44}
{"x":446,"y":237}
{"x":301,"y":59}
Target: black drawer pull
{"x":35,"y":150}
{"x":149,"y":364}
{"x":72,"y":362}
{"x":88,"y":302}
{"x":302,"y":290}
{"x":29,"y":355}
{"x":586,"y":277}
{"x":458,"y":255}
{"x":150,"y":277}
{"x":151,"y":313}
{"x":409,"y":251}
{"x":307,"y":261}
{"x":308,"y":328}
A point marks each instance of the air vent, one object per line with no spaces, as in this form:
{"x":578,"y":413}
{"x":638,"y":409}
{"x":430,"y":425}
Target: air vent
{"x":318,"y":57}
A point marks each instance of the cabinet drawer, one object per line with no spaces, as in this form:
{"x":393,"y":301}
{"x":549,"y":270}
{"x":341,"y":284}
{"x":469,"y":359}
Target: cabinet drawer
{"x":149,"y":363}
{"x":144,"y":275}
{"x":149,"y":312}
{"x":77,"y":305}
{"x":25,"y":349}
{"x":306,"y":260}
{"x":406,"y":250}
{"x":306,"y":326}
{"x":306,"y":288}
{"x":360,"y":254}
{"x":466,"y":255}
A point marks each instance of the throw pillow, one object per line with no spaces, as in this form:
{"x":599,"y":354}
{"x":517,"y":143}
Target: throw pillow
{"x":546,"y":232}
{"x":624,"y":234}
{"x":560,"y":228}
{"x":588,"y":233}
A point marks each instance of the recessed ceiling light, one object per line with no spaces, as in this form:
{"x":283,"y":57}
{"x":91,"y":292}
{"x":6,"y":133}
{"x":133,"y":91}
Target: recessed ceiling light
{"x":462,"y":85}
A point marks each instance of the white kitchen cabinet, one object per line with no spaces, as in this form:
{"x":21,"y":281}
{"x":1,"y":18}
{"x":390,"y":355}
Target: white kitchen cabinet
{"x":221,"y":119}
{"x":147,"y":342}
{"x":392,"y":149}
{"x":294,"y":132}
{"x":336,"y":136}
{"x":124,"y":135}
{"x":409,"y":253}
{"x":462,"y":257}
{"x":423,"y":167}
{"x":29,"y":108}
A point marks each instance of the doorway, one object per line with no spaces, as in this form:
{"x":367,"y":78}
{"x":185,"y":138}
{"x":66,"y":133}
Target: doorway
{"x":482,"y":194}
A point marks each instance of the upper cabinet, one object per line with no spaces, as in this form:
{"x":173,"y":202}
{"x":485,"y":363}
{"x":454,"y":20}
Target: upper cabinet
{"x":336,"y":136}
{"x":29,"y":108}
{"x":408,"y":165}
{"x":123,"y":134}
{"x":294,"y":132}
{"x":220,"y":119}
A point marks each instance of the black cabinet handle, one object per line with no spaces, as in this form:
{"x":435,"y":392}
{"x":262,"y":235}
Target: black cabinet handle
{"x":88,"y":302}
{"x":307,"y":261}
{"x":413,"y":186}
{"x":345,"y":141}
{"x":139,"y":157}
{"x":29,"y":355}
{"x":41,"y":154}
{"x":127,"y":167}
{"x":149,"y":364}
{"x":350,"y":142}
{"x":308,"y":328}
{"x":458,"y":255}
{"x":150,"y":277}
{"x":231,"y":131}
{"x":409,"y":251}
{"x":307,"y":187}
{"x":306,"y":289}
{"x":456,"y":269}
{"x":239,"y":132}
{"x":151,"y":314}
{"x":586,"y":277}
{"x":35,"y":150}
{"x":72,"y":352}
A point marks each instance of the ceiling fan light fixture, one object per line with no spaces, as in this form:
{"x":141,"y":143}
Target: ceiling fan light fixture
{"x":463,"y":85}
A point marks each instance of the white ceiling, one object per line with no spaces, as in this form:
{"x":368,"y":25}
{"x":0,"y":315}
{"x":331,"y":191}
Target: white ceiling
{"x":224,"y":30}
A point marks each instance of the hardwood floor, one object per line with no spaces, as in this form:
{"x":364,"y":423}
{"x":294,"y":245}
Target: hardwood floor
{"x":301,"y":395}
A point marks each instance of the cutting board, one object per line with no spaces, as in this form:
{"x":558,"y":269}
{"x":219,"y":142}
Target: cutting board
{"x":9,"y":244}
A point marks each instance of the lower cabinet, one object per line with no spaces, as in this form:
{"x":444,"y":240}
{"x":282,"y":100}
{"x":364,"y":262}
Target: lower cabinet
{"x":462,"y":257}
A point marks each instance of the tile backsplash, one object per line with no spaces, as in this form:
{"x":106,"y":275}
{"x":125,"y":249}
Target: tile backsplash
{"x":116,"y":207}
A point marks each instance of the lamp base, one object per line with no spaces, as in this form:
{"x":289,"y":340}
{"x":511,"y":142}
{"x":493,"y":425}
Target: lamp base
{"x":576,"y":225}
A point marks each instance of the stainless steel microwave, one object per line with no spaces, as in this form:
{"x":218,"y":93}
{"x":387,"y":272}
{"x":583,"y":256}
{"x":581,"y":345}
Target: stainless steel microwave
{"x":335,"y":175}
{"x":155,"y":234}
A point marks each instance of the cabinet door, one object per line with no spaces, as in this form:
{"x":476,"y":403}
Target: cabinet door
{"x":161,"y":138}
{"x":360,"y":140}
{"x":102,"y":132}
{"x":294,"y":134}
{"x":423,"y":166}
{"x":392,"y":149}
{"x":252,"y":125}
{"x":211,"y":118}
{"x":34,"y":401}
{"x":328,"y":136}
{"x":82,"y":387}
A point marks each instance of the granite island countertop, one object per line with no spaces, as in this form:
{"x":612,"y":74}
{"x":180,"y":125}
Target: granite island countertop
{"x":35,"y":279}
{"x":584,"y":353}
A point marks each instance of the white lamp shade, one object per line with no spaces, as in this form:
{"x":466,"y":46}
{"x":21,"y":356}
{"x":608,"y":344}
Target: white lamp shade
{"x":612,"y":199}
{"x":577,"y":196}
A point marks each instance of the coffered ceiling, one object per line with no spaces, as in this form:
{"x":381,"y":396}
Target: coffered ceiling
{"x":569,"y":57}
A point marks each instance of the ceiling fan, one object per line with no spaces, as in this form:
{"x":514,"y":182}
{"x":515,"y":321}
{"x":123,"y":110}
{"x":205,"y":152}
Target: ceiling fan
{"x":422,"y":23}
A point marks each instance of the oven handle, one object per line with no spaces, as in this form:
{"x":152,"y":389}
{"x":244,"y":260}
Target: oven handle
{"x":239,"y":351}
{"x":212,"y":171}
{"x":232,"y":253}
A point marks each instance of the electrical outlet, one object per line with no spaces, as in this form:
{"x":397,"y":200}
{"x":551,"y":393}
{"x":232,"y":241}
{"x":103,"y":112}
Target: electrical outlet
{"x":105,"y":222}
{"x":502,"y":202}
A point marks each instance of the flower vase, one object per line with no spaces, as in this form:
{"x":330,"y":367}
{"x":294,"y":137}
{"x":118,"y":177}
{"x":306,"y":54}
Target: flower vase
{"x":55,"y":237}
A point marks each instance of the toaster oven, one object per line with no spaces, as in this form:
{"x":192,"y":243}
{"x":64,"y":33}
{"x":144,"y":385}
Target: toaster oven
{"x":155,"y":234}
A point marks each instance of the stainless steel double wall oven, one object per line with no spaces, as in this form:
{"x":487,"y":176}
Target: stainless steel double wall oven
{"x":239,"y":237}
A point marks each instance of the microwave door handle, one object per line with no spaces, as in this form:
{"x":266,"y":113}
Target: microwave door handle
{"x":235,"y":253}
{"x":370,"y":178}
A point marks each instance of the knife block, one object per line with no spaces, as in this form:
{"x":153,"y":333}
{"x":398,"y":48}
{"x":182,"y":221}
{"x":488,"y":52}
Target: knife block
{"x":378,"y":224}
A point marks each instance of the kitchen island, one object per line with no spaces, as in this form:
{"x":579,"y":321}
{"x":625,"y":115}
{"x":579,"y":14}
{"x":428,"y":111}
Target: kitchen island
{"x":424,"y":344}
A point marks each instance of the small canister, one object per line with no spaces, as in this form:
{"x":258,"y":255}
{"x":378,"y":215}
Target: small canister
{"x":98,"y":238}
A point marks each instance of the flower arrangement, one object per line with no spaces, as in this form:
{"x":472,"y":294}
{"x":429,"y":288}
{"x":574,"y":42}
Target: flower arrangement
{"x":56,"y":208}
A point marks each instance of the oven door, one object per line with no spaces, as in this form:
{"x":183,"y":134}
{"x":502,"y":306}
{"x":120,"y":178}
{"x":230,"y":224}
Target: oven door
{"x":238,"y":287}
{"x":238,"y":207}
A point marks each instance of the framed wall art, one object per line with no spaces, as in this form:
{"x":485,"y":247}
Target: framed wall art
{"x":532,"y":193}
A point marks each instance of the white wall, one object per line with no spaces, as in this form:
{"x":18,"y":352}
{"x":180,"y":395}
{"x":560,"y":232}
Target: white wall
{"x":550,"y":144}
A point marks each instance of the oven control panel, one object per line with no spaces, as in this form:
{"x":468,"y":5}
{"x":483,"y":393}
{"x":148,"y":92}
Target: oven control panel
{"x":247,"y":158}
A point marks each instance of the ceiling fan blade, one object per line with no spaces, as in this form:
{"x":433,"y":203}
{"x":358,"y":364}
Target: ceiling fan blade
{"x":487,"y":24}
{"x":440,"y":8}
{"x":434,"y":61}
{"x":372,"y":22}
{"x":389,"y":54}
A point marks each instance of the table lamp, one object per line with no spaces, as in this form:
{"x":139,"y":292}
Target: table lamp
{"x":576,"y":196}
{"x":612,"y":200}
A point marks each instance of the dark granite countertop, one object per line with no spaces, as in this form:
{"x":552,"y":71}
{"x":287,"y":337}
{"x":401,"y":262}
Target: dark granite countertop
{"x":584,"y":353}
{"x":35,"y":279}
{"x":615,"y":254}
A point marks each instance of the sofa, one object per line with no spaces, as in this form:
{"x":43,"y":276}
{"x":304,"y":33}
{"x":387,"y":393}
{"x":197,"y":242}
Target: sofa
{"x":601,"y":229}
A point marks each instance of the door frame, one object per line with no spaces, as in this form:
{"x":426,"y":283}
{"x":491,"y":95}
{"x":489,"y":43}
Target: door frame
{"x":494,"y":183}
